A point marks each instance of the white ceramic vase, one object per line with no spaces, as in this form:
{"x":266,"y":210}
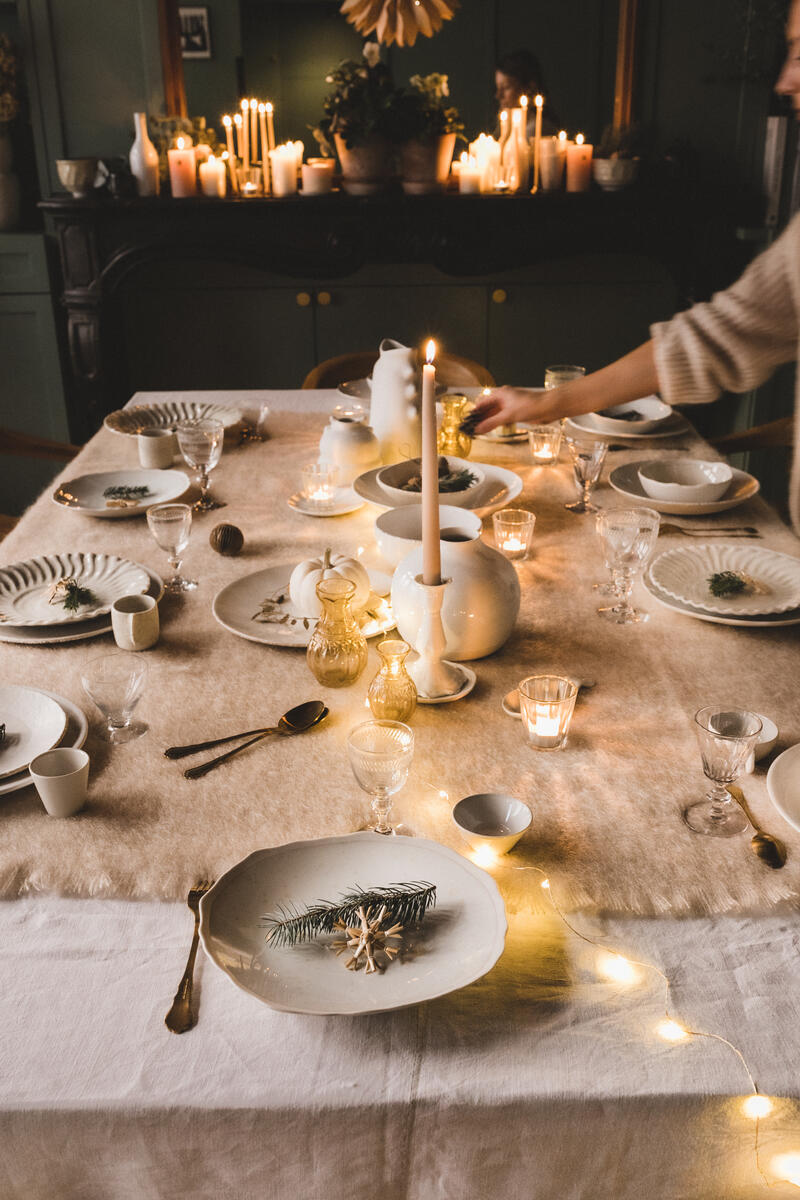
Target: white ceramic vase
{"x":9,"y":185}
{"x":349,"y":444}
{"x":143,"y":158}
{"x":394,"y":411}
{"x":480,"y":604}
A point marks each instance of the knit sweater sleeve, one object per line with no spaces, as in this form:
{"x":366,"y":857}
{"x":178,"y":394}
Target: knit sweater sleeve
{"x":734,"y":341}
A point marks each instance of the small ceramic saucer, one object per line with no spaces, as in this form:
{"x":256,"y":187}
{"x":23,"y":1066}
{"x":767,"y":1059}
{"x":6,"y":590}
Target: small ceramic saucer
{"x":469,"y":683}
{"x":345,"y":501}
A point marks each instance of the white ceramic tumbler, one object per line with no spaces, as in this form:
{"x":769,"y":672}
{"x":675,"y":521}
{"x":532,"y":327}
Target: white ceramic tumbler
{"x":134,"y":622}
{"x":157,"y":448}
{"x":61,"y":778}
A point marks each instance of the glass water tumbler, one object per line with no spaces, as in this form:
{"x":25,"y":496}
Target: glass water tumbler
{"x":337,"y":652}
{"x":450,"y":439}
{"x":392,"y":694}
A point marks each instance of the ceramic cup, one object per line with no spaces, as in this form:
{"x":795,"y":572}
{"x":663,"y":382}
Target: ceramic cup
{"x":134,"y":622}
{"x":61,"y":778}
{"x":157,"y":448}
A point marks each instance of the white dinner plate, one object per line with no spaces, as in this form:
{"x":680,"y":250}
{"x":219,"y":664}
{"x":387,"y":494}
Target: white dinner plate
{"x":344,"y":501}
{"x":644,"y":424}
{"x":361,"y":389}
{"x":767,"y":621}
{"x":168,"y":414}
{"x":500,"y":486}
{"x":783,"y":785}
{"x":74,"y":736}
{"x":34,"y":723}
{"x":86,"y":493}
{"x":625,"y":480}
{"x":683,"y":574}
{"x":238,"y":604}
{"x":78,"y":631}
{"x":459,"y":940}
{"x":25,"y":587}
{"x":674,"y":426}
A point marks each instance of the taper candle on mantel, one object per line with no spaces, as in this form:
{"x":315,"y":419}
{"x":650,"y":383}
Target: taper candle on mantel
{"x":431,"y":557}
{"x":262,"y":124}
{"x":270,"y":124}
{"x":237,"y":122}
{"x":253,"y":130}
{"x":537,"y":142}
{"x":182,"y":168}
{"x":245,"y":153}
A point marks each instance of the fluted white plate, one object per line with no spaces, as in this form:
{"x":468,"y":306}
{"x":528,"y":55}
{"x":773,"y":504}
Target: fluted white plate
{"x":168,"y":414}
{"x":758,"y":621}
{"x":683,"y":574}
{"x":77,"y":631}
{"x":500,"y":486}
{"x":459,"y":940}
{"x":34,"y":724}
{"x":74,"y":736}
{"x":85,"y":494}
{"x":25,"y":587}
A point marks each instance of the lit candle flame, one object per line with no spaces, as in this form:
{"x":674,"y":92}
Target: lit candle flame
{"x":180,"y":143}
{"x":245,"y":104}
{"x":579,"y":140}
{"x":523,"y":101}
{"x":562,"y":135}
{"x":538,"y":101}
{"x":226,"y":121}
{"x":464,"y":156}
{"x":430,"y":351}
{"x":262,"y":108}
{"x":237,"y":120}
{"x":268,"y":106}
{"x":503,"y":115}
{"x":253,"y":105}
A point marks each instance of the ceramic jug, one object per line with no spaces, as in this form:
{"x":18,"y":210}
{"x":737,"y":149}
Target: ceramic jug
{"x":144,"y":158}
{"x":394,"y":412}
{"x":349,"y":444}
{"x":481,"y":602}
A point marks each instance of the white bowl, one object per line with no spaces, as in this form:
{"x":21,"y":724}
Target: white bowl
{"x":766,"y":739}
{"x":651,"y":412}
{"x":391,"y":480}
{"x":491,"y":820}
{"x":686,"y":479}
{"x":399,"y":530}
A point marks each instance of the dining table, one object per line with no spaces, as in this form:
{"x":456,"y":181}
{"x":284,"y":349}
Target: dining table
{"x":553,"y":1074}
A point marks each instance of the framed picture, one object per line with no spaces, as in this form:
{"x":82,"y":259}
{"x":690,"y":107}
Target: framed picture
{"x":195,"y":36}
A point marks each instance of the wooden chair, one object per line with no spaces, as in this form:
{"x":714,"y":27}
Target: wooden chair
{"x":451,"y":369}
{"x":759,"y":437}
{"x":26,"y":445}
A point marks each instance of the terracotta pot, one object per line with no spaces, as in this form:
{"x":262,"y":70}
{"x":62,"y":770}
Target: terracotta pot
{"x":366,"y":169}
{"x":425,"y":166}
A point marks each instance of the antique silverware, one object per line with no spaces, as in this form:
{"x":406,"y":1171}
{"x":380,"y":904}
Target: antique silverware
{"x":297,"y":720}
{"x":180,"y":1017}
{"x":294,"y":717}
{"x":768,"y":848}
{"x":727,"y":531}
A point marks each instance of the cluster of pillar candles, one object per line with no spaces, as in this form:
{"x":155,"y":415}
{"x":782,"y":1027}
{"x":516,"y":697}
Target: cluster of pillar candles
{"x":515,"y":161}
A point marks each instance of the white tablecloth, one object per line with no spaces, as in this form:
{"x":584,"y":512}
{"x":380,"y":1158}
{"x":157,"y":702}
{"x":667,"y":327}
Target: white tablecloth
{"x":542,"y":1080}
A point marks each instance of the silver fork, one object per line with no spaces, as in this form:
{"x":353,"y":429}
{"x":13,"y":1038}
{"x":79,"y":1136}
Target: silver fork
{"x":180,"y":1016}
{"x":731,"y":531}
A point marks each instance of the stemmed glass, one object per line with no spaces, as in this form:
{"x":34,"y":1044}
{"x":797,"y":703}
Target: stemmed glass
{"x":727,"y":737}
{"x":587,"y":463}
{"x":170,"y":525}
{"x":200,"y":444}
{"x":115,"y":682}
{"x":380,"y":754}
{"x":628,"y":536}
{"x":607,"y":588}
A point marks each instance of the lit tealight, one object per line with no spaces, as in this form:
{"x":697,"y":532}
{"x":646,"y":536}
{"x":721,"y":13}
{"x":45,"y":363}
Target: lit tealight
{"x":671,"y":1031}
{"x":617,"y":968}
{"x":787,"y":1167}
{"x":756,"y":1106}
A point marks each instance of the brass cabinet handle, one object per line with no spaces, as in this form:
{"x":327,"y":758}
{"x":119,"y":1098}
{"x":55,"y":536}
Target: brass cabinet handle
{"x":303,"y":299}
{"x":323,"y":298}
{"x":499,"y":296}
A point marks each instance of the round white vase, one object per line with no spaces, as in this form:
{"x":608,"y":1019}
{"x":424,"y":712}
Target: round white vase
{"x":481,"y":602}
{"x":143,"y":158}
{"x":348,"y":444}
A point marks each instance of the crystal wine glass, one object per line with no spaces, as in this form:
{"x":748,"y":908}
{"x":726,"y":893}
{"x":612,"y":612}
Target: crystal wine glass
{"x":170,"y":525}
{"x":607,"y":588}
{"x":628,"y":536}
{"x":727,"y":737}
{"x":587,"y":463}
{"x":200,"y":444}
{"x":114,"y":683}
{"x":380,"y":754}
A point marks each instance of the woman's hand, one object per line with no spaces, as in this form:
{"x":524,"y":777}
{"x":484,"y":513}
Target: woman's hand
{"x":507,"y":405}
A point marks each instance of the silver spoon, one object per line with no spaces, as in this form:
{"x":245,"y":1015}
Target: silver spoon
{"x":510,"y":701}
{"x":295,"y":716}
{"x":764,"y":845}
{"x":296,"y":720}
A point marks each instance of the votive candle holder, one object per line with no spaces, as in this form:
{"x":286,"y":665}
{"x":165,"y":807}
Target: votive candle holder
{"x":249,"y":181}
{"x":547,"y":703}
{"x":513,"y":530}
{"x":319,"y":485}
{"x":545,"y":444}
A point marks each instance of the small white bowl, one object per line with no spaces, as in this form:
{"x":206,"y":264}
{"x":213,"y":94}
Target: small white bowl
{"x":651,"y":412}
{"x":685,"y":479}
{"x":392,"y":478}
{"x":399,"y":530}
{"x":491,"y":820}
{"x":766,"y":739}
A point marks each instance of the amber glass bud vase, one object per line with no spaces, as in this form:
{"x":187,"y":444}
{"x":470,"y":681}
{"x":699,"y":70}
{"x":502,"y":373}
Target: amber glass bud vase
{"x":392,"y":694}
{"x":337,"y":652}
{"x":450,"y":439}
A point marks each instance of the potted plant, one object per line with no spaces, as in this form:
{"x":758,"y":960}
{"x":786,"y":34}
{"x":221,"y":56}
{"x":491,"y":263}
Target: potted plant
{"x":357,"y":120}
{"x":9,"y":110}
{"x":426,"y":128}
{"x":616,"y":158}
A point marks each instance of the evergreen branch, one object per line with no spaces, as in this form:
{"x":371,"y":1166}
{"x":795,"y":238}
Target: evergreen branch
{"x":124,"y":492}
{"x":406,"y":904}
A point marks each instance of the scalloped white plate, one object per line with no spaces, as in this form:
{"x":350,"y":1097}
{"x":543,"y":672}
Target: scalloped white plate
{"x":85,"y":494}
{"x":683,"y":574}
{"x":783,"y":785}
{"x":764,"y":621}
{"x":25,"y":587}
{"x":167,"y":415}
{"x":460,"y":939}
{"x":77,"y":631}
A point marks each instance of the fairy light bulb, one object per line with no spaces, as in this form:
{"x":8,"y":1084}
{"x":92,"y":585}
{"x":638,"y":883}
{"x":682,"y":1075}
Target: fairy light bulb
{"x":671,"y":1031}
{"x":617,"y":968}
{"x":756,"y":1106}
{"x":484,"y":857}
{"x":546,"y":884}
{"x":787,"y":1167}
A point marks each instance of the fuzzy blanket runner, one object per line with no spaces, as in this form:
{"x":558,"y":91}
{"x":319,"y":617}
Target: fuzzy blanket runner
{"x":606,"y":810}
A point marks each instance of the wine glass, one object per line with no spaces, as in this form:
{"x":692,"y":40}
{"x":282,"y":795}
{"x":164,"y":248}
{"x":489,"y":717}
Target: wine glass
{"x":628,"y":536}
{"x":727,"y":737}
{"x":380,"y":754}
{"x":170,"y":525}
{"x":114,"y":683}
{"x":587,"y":463}
{"x":607,"y":588}
{"x":200,"y":444}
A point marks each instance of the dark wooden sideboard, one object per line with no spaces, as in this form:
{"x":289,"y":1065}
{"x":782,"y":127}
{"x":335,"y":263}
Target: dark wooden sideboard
{"x":206,"y":293}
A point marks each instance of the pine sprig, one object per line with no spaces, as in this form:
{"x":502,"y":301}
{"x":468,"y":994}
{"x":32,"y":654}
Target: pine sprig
{"x":726,"y":583}
{"x":122,"y":491}
{"x":406,"y":904}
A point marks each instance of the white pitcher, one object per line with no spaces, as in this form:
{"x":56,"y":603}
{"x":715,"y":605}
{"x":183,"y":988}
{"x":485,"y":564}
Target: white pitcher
{"x":349,"y":444}
{"x":394,"y":412}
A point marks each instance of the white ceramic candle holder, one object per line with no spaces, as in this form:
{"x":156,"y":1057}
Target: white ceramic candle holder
{"x":436,"y":678}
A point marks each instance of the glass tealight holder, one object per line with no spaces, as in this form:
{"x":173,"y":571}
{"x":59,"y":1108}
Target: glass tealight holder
{"x":319,"y":485}
{"x":545,"y":443}
{"x":249,"y":181}
{"x":513,"y":530}
{"x":561,"y":373}
{"x":392,"y":694}
{"x":547,"y":703}
{"x":337,"y":652}
{"x":450,"y":439}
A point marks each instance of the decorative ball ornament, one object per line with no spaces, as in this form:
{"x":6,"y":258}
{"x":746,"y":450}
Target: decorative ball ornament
{"x":398,"y":20}
{"x":226,"y":539}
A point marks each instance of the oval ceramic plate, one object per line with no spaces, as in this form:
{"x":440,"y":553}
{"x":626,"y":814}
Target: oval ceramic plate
{"x":674,"y":426}
{"x":625,"y":480}
{"x":25,"y":587}
{"x":458,"y":942}
{"x":500,"y":486}
{"x":783,"y":785}
{"x":86,"y":494}
{"x":74,"y":736}
{"x":76,"y":631}
{"x":683,"y":574}
{"x":167,"y":415}
{"x":34,"y":723}
{"x":767,"y":621}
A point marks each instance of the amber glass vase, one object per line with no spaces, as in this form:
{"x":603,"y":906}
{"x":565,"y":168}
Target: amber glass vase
{"x":392,"y":694}
{"x":450,"y":439}
{"x":337,"y":652}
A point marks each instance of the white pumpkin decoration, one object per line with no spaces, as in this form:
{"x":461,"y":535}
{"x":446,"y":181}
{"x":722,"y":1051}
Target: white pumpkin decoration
{"x":307,"y":574}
